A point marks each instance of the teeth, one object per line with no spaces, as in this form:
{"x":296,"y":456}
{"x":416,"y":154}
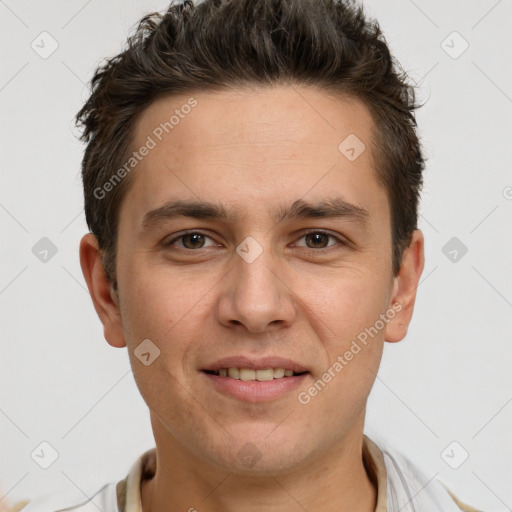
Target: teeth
{"x":234,"y":373}
{"x":248,"y":374}
{"x":263,"y":375}
{"x":279,"y":372}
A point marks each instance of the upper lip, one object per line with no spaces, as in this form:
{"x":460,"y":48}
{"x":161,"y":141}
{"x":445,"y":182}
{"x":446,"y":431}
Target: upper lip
{"x":256,"y":363}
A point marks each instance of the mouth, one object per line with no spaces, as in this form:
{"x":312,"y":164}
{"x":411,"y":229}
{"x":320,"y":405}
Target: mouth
{"x":250,"y":374}
{"x":255,"y":380}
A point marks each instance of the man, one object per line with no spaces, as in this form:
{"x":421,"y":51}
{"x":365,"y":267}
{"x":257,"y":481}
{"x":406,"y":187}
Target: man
{"x":251,"y":180}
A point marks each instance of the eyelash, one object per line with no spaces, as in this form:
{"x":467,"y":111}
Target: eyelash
{"x":315,"y":231}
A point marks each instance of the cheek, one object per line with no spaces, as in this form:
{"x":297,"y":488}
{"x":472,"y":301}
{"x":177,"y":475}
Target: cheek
{"x":154,"y":301}
{"x":169,"y":310}
{"x":352,"y":334}
{"x":155,"y":315}
{"x":349,"y":303}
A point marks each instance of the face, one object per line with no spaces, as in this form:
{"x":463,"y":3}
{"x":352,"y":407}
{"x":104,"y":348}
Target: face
{"x":249,"y":238}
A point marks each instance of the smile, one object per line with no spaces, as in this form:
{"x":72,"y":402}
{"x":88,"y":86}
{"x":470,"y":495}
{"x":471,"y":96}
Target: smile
{"x":249,"y":385}
{"x":249,"y":374}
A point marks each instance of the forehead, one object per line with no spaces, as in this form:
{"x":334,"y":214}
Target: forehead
{"x":252,"y":148}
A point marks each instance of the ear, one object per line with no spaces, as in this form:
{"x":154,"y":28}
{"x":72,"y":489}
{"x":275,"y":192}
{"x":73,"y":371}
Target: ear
{"x":104,"y":297}
{"x":405,"y":286}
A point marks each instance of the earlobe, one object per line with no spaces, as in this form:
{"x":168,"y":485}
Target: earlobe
{"x":104,"y":297}
{"x":404,"y":288}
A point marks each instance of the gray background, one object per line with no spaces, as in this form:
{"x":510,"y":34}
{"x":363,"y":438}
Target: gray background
{"x":449,"y":380}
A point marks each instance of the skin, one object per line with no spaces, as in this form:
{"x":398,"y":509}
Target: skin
{"x":252,"y":150}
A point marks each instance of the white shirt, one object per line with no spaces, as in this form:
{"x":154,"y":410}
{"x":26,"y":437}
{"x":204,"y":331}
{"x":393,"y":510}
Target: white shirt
{"x":401,"y":486}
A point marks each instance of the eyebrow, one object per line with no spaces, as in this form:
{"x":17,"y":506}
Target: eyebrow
{"x":329,"y":208}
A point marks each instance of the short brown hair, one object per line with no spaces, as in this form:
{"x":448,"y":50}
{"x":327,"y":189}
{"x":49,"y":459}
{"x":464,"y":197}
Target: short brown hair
{"x":222,"y":44}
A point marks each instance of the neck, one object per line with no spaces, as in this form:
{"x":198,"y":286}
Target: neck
{"x":335,"y":481}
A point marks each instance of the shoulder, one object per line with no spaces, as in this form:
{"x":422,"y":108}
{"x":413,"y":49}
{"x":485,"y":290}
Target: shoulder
{"x":409,"y":488}
{"x":104,"y":499}
{"x":112,"y":497}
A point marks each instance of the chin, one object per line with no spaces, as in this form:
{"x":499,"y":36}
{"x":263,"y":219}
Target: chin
{"x":259,"y":452}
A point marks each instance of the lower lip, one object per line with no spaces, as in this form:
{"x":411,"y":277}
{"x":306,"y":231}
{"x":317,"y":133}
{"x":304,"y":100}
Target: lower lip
{"x":254,"y":390}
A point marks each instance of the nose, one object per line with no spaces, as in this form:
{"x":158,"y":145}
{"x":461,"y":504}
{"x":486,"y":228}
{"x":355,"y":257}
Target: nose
{"x":255,"y":294}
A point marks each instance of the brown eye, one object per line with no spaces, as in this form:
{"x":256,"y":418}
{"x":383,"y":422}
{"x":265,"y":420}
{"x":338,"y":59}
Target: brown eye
{"x":189,"y":241}
{"x":193,"y":240}
{"x":317,"y":240}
